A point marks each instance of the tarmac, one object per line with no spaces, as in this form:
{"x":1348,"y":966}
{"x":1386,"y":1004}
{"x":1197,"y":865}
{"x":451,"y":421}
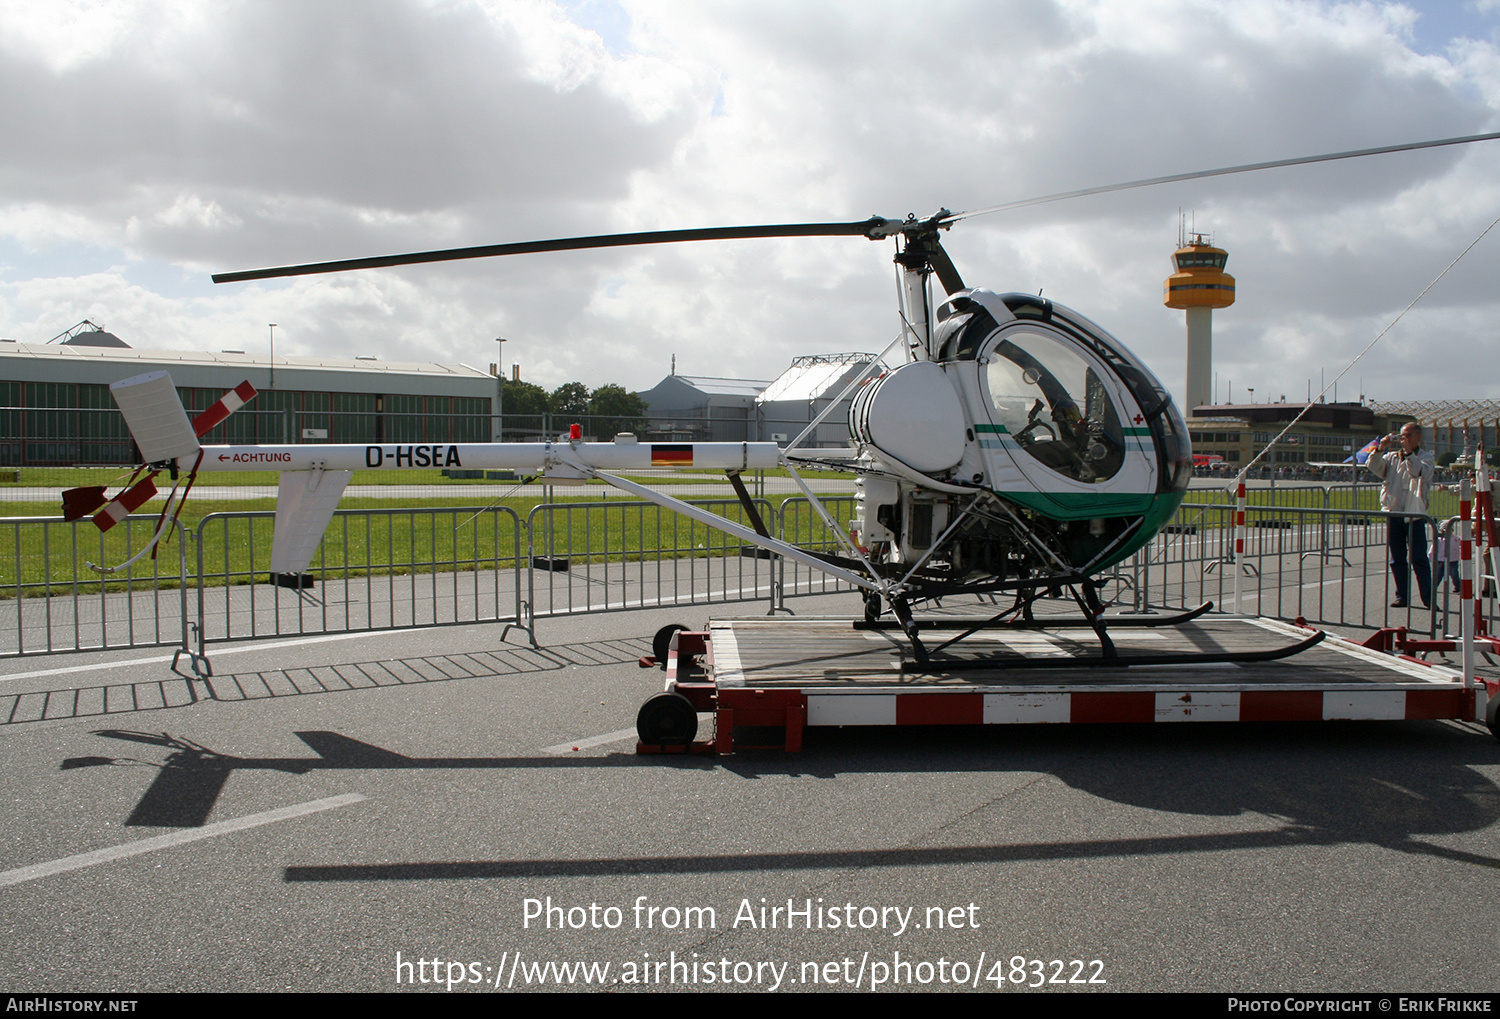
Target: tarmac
{"x":447,"y":809}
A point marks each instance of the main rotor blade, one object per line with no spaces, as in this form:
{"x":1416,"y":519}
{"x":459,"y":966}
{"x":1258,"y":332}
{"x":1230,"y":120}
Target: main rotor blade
{"x":1222,"y":171}
{"x":874,"y":227}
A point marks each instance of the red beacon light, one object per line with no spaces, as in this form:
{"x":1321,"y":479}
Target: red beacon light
{"x":575,"y":432}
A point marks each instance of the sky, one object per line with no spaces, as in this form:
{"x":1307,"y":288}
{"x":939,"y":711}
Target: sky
{"x":148,"y":144}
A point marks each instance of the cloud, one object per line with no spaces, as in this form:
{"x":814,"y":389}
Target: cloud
{"x":222,"y":137}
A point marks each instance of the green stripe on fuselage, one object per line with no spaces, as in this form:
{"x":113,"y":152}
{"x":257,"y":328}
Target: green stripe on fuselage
{"x":1154,"y":510}
{"x":1083,"y":505}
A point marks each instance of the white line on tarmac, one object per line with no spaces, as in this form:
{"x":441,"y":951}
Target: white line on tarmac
{"x":592,"y":741}
{"x":176,"y":838}
{"x":225,"y":651}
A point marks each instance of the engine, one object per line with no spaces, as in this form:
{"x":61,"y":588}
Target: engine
{"x":900,"y":524}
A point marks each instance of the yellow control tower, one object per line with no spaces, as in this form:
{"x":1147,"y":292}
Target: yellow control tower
{"x":1199,"y":285}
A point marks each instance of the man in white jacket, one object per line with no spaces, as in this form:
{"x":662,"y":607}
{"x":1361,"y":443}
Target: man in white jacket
{"x":1407,"y":471}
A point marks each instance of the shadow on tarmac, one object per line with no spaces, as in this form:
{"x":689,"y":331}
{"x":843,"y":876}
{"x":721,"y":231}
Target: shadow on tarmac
{"x":1391,"y":784}
{"x":155,"y":695}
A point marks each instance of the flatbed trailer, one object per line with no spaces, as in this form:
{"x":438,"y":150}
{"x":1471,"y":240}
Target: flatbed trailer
{"x":801,"y":672}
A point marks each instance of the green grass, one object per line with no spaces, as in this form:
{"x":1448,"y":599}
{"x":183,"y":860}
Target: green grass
{"x":435,"y":534}
{"x":49,"y":556}
{"x":1363,"y":500}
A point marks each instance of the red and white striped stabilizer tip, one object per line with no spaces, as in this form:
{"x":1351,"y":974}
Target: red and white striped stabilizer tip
{"x":226,"y":405}
{"x":127,"y":502}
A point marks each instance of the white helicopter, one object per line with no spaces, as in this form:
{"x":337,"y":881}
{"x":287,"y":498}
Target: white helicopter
{"x":1017,"y":449}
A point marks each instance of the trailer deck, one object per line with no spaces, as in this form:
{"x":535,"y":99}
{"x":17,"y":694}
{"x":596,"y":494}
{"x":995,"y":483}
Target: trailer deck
{"x":803,"y":672}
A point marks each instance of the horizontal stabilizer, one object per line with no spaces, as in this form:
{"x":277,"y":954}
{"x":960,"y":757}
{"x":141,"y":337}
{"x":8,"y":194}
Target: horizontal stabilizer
{"x":80,"y":502}
{"x":305,"y":501}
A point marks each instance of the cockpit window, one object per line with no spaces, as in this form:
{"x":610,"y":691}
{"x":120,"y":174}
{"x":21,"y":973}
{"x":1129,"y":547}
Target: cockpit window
{"x":1054,"y":405}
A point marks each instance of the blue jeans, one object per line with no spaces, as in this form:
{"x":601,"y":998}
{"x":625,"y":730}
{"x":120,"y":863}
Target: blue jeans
{"x":1451,"y":570}
{"x":1408,"y":543}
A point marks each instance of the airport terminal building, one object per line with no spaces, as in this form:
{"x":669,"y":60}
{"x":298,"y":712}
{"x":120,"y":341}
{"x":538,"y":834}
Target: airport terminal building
{"x":1334,"y":432}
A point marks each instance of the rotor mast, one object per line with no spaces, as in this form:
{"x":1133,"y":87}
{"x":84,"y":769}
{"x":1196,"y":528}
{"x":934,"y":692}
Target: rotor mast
{"x":921,"y":255}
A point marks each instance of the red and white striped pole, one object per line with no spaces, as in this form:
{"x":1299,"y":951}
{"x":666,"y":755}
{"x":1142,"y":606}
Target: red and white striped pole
{"x":1239,"y":537}
{"x":1484,"y":518}
{"x":1466,"y":605}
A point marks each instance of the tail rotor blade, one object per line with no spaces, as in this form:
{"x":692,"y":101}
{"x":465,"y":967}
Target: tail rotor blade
{"x":126,"y":503}
{"x":223,"y":407}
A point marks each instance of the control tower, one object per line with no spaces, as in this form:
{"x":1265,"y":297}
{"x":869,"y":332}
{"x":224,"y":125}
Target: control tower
{"x":1199,"y":285}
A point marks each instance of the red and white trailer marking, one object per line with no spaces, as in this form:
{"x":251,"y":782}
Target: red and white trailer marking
{"x":796,"y":673}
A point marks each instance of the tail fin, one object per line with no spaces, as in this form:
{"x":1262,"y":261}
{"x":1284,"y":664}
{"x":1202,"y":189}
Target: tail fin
{"x":155,"y":417}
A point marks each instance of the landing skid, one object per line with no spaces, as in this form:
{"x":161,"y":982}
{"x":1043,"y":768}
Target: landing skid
{"x":995,"y":623}
{"x":932,"y":661}
{"x":937,"y":665}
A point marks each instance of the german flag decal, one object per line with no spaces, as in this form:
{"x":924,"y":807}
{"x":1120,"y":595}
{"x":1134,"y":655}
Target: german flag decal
{"x":665,"y":454}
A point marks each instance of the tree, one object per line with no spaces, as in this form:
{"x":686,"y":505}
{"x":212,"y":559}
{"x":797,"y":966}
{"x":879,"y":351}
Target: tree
{"x":524,"y":398}
{"x":569,"y":400}
{"x":614,"y":410}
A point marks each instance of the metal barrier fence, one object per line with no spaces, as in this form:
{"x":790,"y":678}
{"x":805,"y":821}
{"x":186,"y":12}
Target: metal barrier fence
{"x":801,"y":524}
{"x":1341,"y":495}
{"x":376,"y":570}
{"x":51,"y":601}
{"x":1329,"y":566}
{"x":605,"y":556}
{"x":380,"y":569}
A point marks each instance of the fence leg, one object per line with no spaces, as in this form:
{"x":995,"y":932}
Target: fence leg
{"x":1142,"y":601}
{"x":192,"y":630}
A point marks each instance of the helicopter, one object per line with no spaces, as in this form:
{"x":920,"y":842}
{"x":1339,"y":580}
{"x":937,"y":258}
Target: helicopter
{"x":1017,"y":450}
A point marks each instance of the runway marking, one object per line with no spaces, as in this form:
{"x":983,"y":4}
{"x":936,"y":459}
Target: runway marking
{"x":593,"y":741}
{"x":226,"y":651}
{"x":1322,"y":583}
{"x":176,"y":838}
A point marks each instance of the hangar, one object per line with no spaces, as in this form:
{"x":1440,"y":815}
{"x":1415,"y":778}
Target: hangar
{"x":55,"y":407}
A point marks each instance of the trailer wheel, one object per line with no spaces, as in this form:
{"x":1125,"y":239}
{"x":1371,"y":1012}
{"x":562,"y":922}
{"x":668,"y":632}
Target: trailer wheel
{"x":661,"y":644}
{"x":667,"y":719}
{"x":872,"y":606}
{"x":1492,"y":715}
